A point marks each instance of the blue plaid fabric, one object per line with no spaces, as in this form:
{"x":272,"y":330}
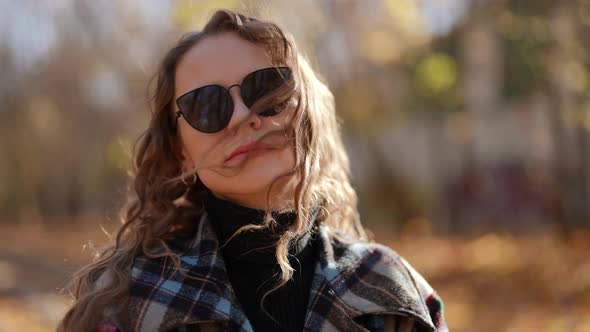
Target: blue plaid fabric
{"x":356,"y":287}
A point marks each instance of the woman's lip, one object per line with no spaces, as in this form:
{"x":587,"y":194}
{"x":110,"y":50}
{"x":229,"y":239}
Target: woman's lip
{"x":246,"y":148}
{"x":249,"y":154}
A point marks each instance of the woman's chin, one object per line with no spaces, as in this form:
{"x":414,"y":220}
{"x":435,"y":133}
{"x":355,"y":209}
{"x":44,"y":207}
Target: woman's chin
{"x":255,"y":181}
{"x":250,"y":175}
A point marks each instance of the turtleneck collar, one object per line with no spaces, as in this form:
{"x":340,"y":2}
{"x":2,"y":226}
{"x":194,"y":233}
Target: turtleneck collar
{"x":257,"y":245}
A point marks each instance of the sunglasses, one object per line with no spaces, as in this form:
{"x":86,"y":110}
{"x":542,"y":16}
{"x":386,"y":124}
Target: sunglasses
{"x":209,"y":108}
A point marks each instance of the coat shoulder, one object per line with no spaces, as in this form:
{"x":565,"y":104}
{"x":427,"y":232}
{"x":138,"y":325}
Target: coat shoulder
{"x":352,"y":254}
{"x":383,"y":267}
{"x":390,"y":259}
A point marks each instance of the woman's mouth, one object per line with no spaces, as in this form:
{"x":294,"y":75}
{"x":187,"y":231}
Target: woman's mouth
{"x":252,"y":149}
{"x":251,"y":153}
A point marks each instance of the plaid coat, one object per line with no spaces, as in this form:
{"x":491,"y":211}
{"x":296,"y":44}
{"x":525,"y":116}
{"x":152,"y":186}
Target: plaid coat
{"x":356,"y":287}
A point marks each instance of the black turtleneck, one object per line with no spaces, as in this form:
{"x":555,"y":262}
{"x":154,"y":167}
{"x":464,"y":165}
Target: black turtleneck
{"x":253,"y":269}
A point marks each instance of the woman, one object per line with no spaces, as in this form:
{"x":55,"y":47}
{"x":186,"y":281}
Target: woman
{"x":243,"y":216}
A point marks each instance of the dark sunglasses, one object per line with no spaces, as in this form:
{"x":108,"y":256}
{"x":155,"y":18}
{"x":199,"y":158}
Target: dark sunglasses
{"x":209,"y":108}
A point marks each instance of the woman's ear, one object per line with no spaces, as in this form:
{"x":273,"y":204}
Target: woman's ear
{"x":186,"y":162}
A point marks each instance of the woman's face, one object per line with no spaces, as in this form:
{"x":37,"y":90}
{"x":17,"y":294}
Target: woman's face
{"x":225,"y":59}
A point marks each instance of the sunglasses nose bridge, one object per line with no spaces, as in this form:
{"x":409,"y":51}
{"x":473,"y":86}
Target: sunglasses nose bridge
{"x":241,"y":112}
{"x":237,"y":95}
{"x":233,"y":85}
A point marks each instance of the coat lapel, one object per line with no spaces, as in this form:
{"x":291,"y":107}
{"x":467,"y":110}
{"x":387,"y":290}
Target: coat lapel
{"x":162,"y":298}
{"x":350,"y":280}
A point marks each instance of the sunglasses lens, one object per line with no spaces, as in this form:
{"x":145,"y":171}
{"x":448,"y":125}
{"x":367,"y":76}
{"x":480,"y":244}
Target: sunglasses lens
{"x":207,"y":109}
{"x":263,"y":82}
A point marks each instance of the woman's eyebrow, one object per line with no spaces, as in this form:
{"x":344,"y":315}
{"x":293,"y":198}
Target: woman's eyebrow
{"x":229,"y":86}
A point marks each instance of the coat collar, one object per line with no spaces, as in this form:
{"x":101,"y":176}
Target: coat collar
{"x":350,"y":280}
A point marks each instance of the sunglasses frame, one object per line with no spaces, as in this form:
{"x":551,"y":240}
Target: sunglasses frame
{"x":180,"y":113}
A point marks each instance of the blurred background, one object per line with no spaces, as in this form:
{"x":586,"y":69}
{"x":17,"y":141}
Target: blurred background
{"x":467,"y":123}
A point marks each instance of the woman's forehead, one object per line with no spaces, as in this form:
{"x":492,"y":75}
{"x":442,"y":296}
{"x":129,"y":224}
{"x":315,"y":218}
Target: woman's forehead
{"x":222,"y":59}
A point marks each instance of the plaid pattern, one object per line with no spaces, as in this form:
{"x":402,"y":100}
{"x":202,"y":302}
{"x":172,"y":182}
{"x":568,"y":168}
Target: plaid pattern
{"x":356,"y":287}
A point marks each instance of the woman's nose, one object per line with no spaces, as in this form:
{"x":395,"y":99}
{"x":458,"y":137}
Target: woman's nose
{"x":242,"y":114}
